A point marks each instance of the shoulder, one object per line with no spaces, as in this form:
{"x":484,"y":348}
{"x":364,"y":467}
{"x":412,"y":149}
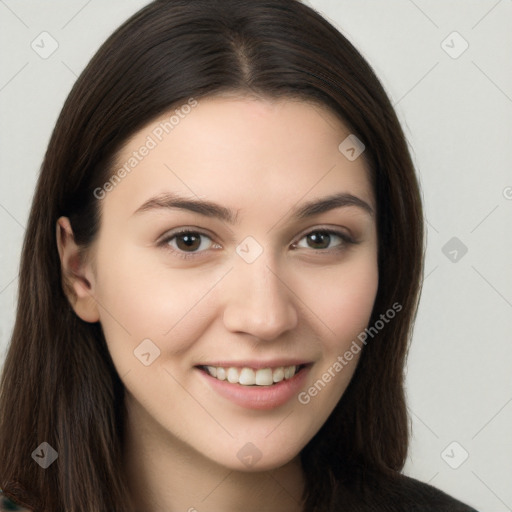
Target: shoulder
{"x":417,"y":496}
{"x":8,"y":505}
{"x":398,"y":493}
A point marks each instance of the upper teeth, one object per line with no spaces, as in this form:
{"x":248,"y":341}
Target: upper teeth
{"x":250,"y":377}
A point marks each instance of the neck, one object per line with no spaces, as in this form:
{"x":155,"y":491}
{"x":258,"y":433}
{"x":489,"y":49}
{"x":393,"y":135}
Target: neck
{"x":167,"y":475}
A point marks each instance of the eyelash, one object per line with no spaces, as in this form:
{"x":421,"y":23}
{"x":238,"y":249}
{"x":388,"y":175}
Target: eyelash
{"x":347,"y":240}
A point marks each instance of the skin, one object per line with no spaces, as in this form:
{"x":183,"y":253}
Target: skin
{"x":260,"y":158}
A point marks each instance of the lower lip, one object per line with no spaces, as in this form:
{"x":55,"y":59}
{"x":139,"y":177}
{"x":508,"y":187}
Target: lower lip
{"x":258,"y":397}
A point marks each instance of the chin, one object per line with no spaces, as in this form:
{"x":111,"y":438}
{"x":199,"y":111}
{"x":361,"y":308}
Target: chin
{"x":256,"y":457}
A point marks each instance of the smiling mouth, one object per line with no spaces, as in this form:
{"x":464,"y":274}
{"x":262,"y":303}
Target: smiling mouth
{"x":253,"y":377}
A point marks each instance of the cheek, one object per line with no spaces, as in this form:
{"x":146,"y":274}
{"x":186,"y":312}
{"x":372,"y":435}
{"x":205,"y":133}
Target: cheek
{"x":345,"y":302}
{"x":344,"y":306}
{"x":354,"y":300}
{"x":141,"y":300}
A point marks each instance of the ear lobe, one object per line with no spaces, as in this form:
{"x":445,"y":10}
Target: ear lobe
{"x":77,"y":277}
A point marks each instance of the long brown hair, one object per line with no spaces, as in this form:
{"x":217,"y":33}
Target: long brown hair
{"x":59,"y":384}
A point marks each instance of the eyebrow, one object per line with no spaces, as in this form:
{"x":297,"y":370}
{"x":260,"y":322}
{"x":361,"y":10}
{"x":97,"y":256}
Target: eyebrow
{"x":169,"y":201}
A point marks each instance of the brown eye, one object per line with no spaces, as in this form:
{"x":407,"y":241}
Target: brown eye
{"x":188,"y":241}
{"x":323,"y":239}
{"x":320,"y":240}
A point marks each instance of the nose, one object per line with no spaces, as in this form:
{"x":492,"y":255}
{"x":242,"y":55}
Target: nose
{"x":258,"y":301}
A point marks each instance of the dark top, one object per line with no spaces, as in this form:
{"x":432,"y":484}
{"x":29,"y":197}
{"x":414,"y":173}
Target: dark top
{"x":8,"y":505}
{"x":400,"y":494}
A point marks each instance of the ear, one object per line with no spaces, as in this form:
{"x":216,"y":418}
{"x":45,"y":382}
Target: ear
{"x":77,"y":276}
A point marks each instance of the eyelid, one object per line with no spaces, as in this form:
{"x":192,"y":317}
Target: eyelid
{"x":344,"y":233}
{"x":181,"y":230}
{"x":162,"y":241}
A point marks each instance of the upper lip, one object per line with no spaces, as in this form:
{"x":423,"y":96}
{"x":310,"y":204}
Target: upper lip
{"x":246,"y":363}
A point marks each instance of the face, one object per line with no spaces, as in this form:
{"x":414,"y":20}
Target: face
{"x":225,"y":320}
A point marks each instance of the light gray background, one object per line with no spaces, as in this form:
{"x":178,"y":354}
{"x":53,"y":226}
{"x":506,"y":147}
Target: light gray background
{"x":457,"y":115}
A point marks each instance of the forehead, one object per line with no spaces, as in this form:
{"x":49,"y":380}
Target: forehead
{"x":240,"y":150}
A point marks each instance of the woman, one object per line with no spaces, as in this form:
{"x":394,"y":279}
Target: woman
{"x":219,"y":278}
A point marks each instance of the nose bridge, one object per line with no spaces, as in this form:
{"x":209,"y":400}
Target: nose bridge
{"x":258,"y":302}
